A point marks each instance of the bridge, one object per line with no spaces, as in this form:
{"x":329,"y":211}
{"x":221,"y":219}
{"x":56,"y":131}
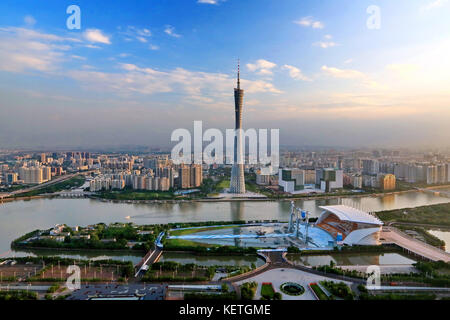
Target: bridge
{"x":391,"y":235}
{"x":72,"y":194}
{"x":45,"y":184}
{"x":150,"y":258}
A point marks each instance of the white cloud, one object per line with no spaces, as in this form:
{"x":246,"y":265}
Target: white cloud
{"x":197,"y":85}
{"x":434,"y":4}
{"x":96,"y":36}
{"x":350,"y":74}
{"x":262,"y":67}
{"x":92,"y":46}
{"x":171,"y":31}
{"x":295,"y":73}
{"x":343,"y":73}
{"x":208,"y":1}
{"x":77,"y":57}
{"x":25,"y":33}
{"x":310,"y":22}
{"x":325,"y":44}
{"x":348,"y":61}
{"x":132,"y":32}
{"x":29,"y":20}
{"x":29,"y":50}
{"x":153,"y":47}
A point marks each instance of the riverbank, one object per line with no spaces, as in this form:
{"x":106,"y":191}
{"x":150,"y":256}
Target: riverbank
{"x":303,"y":197}
{"x":240,"y":199}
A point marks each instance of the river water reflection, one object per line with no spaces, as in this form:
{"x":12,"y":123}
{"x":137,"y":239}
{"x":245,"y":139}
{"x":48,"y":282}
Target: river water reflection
{"x":20,"y":217}
{"x":444,"y":235}
{"x":351,"y":259}
{"x":212,"y":260}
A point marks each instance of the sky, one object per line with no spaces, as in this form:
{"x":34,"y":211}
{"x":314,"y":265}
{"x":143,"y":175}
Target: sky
{"x":324,"y":72}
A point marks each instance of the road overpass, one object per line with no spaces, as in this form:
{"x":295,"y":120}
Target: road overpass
{"x":391,"y":235}
{"x":44,"y":185}
{"x":151,"y":257}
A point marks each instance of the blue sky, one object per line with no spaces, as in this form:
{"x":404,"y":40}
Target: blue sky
{"x":136,"y":70}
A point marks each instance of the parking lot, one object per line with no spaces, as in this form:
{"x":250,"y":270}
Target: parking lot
{"x":120,"y":292}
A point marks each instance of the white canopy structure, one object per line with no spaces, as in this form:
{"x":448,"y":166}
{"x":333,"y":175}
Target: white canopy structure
{"x":350,"y":225}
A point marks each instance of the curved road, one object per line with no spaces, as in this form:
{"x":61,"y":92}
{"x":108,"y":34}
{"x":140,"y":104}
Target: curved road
{"x":276,"y":260}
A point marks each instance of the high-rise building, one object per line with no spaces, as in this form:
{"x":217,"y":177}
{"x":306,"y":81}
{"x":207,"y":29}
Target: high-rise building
{"x":370,"y":166}
{"x":310,"y":176}
{"x":357,"y":181}
{"x":441,"y":173}
{"x":11,"y":177}
{"x":196,"y":175}
{"x":237,"y":183}
{"x":291,"y":179}
{"x":329,"y":179}
{"x":432,"y":176}
{"x":31,"y":175}
{"x":188,"y":176}
{"x":387,"y":182}
{"x":184,"y":177}
{"x":46,"y":173}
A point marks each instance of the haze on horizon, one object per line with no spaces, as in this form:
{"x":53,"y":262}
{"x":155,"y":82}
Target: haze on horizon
{"x":137,"y":70}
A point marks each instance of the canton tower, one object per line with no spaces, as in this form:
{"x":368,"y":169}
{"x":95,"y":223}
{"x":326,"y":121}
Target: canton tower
{"x":237,"y":184}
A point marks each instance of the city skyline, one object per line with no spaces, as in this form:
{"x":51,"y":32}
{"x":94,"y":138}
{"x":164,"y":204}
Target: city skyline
{"x":315,"y":71}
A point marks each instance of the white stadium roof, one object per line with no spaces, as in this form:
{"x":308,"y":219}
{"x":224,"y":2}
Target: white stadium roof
{"x":345,"y":213}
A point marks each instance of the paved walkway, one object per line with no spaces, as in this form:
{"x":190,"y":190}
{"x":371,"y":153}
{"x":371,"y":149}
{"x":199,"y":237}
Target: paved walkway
{"x":24,"y":287}
{"x":413,"y":246}
{"x":278,"y":276}
{"x":384,"y":269}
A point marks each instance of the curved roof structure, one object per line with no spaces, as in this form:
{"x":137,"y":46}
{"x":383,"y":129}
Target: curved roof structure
{"x":346,"y":213}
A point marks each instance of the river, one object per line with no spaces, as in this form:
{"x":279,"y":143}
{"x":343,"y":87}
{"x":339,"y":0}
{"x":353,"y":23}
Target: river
{"x":20,"y":217}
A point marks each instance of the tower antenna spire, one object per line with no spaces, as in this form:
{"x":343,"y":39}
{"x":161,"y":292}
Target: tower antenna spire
{"x":238,"y":76}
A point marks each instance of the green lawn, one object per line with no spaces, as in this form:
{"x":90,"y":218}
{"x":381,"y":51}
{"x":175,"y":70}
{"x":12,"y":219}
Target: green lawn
{"x":319,"y":292}
{"x":191,"y":231}
{"x":267,"y":291}
{"x":188,"y":243}
{"x":438,"y":214}
{"x":428,"y":237}
{"x":340,"y":290}
{"x":224,"y":184}
{"x":137,"y":195}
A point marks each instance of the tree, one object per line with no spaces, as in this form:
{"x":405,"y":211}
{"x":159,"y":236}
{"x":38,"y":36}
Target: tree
{"x":277,"y":296}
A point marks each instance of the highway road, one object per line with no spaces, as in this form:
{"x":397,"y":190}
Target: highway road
{"x":43,"y":185}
